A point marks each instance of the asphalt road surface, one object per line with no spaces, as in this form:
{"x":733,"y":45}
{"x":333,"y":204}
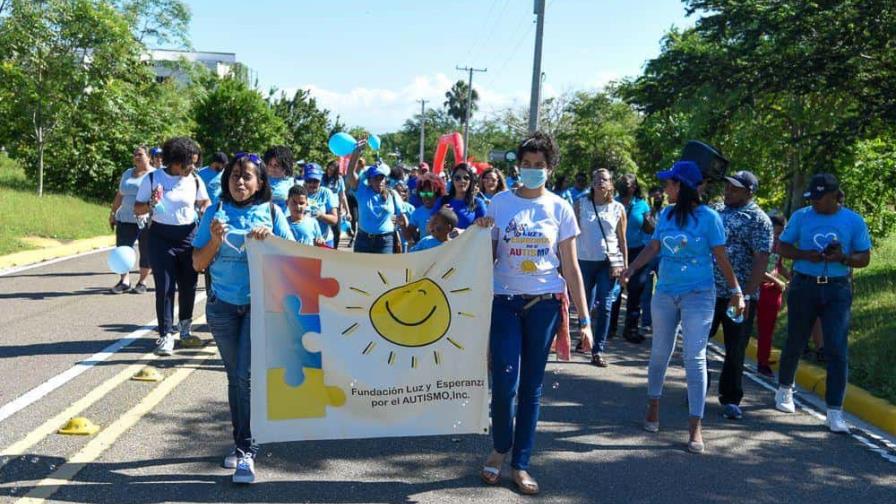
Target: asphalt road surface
{"x":163,"y":441}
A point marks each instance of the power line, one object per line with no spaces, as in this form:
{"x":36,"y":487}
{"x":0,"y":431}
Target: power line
{"x":469,"y":104}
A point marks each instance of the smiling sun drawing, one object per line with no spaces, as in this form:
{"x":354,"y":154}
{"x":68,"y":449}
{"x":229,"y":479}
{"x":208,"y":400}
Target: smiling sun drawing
{"x":413,"y":315}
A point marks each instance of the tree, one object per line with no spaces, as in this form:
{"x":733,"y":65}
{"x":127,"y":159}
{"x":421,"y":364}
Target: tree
{"x":63,"y":62}
{"x":456,"y":101}
{"x":234,"y":117}
{"x":308,"y":127}
{"x":158,"y":22}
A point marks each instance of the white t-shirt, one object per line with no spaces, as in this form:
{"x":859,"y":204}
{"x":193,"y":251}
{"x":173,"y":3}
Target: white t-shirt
{"x":591,"y":246}
{"x":179,"y":196}
{"x":528,"y":232}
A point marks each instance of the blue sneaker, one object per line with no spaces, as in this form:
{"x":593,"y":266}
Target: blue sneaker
{"x":732,"y":412}
{"x":245,"y":470}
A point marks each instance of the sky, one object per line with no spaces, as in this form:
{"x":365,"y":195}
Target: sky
{"x":369,"y":62}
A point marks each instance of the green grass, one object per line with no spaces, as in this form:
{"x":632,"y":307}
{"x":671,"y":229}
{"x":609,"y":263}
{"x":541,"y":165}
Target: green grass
{"x":55,"y":216}
{"x":872,"y":335}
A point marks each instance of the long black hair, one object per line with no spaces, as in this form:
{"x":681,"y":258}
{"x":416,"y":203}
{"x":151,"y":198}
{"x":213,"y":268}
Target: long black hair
{"x":470,"y":195}
{"x":631,"y":180}
{"x":327,"y":179}
{"x":262,"y":195}
{"x":688,"y":200}
{"x":283,"y":154}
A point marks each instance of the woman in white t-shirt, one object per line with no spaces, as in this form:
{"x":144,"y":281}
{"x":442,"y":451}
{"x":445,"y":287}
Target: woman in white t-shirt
{"x":175,"y":196}
{"x":602,"y":253}
{"x":122,"y":218}
{"x":533,"y":231}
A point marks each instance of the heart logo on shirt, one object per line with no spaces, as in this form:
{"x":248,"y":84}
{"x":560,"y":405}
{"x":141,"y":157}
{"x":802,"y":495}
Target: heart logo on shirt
{"x":823,"y":240}
{"x":675,"y":243}
{"x":242,"y":247}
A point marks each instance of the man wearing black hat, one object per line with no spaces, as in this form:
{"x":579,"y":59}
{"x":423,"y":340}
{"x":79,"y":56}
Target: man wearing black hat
{"x":749,"y":239}
{"x":825,"y":241}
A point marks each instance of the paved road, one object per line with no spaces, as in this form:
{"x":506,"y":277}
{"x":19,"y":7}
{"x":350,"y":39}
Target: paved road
{"x":162,"y":442}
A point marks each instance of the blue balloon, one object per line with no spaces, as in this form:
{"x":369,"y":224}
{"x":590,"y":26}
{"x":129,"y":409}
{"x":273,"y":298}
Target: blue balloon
{"x":342,"y":144}
{"x":122,"y":259}
{"x":374,"y":142}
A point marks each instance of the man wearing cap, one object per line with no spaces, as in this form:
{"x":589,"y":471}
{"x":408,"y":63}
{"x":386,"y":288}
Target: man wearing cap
{"x":322,"y":203}
{"x":825,"y":241}
{"x":749,"y":238}
{"x":155,"y":157}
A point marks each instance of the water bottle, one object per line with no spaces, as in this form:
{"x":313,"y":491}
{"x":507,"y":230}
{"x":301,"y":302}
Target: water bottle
{"x":732,"y":314}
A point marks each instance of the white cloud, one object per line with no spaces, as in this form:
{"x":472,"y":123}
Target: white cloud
{"x":381,"y":110}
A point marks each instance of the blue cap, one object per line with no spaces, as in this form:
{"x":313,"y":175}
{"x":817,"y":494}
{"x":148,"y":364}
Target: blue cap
{"x":155,"y":151}
{"x":313,"y":171}
{"x":686,"y":172}
{"x":375,"y":170}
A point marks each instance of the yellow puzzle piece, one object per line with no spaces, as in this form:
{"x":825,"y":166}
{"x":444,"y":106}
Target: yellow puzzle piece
{"x":309,"y":400}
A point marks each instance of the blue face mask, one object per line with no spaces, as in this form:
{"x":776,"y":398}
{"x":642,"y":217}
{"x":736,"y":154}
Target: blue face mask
{"x":533,"y":178}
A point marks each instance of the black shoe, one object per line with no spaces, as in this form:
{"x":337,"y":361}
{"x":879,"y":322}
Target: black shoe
{"x":598,"y":360}
{"x":140,"y":288}
{"x":633,"y":336}
{"x":120,"y":288}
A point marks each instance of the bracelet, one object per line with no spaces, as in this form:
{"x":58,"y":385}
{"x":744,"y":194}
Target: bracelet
{"x":735,"y":291}
{"x":584,"y":321}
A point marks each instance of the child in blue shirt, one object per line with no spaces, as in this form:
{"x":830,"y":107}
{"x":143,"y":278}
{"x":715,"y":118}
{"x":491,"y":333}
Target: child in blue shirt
{"x":442,"y":228}
{"x":305,"y":228}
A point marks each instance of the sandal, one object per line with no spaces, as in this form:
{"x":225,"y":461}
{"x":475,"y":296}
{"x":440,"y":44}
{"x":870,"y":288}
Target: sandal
{"x":525,"y":483}
{"x":491,"y":473}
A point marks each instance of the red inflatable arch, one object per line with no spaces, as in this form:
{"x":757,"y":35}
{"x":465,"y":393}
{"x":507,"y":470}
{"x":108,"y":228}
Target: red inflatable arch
{"x":455,"y":140}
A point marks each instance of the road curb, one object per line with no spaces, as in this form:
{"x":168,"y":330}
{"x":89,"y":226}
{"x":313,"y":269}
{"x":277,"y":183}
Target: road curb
{"x":29,"y":257}
{"x":858,"y":401}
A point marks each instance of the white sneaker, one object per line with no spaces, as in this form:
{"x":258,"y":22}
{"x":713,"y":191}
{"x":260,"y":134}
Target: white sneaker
{"x":231,"y":460}
{"x":245,"y":471}
{"x":784,"y":400}
{"x":165,"y":345}
{"x":835,"y":421}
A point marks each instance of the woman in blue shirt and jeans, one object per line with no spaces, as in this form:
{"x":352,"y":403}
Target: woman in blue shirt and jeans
{"x":244,"y":212}
{"x":687,"y":237}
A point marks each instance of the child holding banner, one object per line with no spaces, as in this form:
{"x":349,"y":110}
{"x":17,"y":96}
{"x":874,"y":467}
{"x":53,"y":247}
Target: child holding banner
{"x":245,"y":211}
{"x":533,"y":230}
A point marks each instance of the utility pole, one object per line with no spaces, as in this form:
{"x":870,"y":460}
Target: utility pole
{"x":422,"y":126}
{"x":535,"y":101}
{"x":469,"y":104}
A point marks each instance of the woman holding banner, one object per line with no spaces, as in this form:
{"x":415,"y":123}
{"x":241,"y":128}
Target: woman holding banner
{"x":245,"y":211}
{"x":533,"y":231}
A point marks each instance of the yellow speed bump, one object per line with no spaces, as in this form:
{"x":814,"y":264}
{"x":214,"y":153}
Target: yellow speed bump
{"x":79,"y":426}
{"x":148,"y":374}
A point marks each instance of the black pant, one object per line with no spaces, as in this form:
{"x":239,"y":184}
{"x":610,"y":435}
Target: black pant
{"x":635,"y":289}
{"x":171,"y":257}
{"x":737,"y":336}
{"x":127,"y":233}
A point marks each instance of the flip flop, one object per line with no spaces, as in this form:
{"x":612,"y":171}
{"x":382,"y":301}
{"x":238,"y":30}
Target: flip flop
{"x":490,"y":475}
{"x":526,"y":484}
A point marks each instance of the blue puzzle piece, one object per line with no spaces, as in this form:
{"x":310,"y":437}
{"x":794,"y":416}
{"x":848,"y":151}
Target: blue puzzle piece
{"x":300,"y":357}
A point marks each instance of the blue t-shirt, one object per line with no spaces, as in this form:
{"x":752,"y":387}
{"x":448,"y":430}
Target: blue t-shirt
{"x":230,"y":267}
{"x":426,"y":243}
{"x":420,"y":218}
{"x":686,"y":253}
{"x":573,"y":193}
{"x":212,"y":181}
{"x":635,"y":212}
{"x":809,"y":230}
{"x":323,"y":201}
{"x":280,"y":191}
{"x":128,"y":187}
{"x":336,"y":185}
{"x":374,"y":212}
{"x":465,"y":216}
{"x":305,"y":230}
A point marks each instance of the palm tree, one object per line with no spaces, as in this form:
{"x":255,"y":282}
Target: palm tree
{"x":456,"y":100}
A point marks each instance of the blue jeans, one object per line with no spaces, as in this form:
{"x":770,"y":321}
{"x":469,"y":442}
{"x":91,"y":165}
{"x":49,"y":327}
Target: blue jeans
{"x":806,"y":302}
{"x":694,"y":310}
{"x":229,"y":325}
{"x":519,"y":344}
{"x":600,"y":292}
{"x":374,"y":244}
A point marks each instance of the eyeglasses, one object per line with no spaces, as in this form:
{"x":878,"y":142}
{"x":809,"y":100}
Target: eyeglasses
{"x":461,"y":177}
{"x":251,"y":155}
{"x":427,"y":194}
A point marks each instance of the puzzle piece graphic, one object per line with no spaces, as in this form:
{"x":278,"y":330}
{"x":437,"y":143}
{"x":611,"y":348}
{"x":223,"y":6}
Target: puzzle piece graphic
{"x":299,"y":357}
{"x":301,"y":276}
{"x":310,"y":400}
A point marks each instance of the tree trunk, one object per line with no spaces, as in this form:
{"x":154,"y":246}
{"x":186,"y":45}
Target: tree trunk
{"x":40,"y":162}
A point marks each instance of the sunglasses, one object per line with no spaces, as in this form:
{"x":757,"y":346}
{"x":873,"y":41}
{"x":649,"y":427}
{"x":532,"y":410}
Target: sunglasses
{"x":461,"y":177}
{"x":427,"y":194}
{"x":251,"y":155}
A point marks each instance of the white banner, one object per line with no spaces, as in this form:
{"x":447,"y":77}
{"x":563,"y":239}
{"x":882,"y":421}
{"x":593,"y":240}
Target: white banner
{"x":351,"y":345}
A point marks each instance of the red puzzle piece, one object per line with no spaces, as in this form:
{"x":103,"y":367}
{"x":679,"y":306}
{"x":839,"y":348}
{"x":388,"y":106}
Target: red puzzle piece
{"x":284,"y":276}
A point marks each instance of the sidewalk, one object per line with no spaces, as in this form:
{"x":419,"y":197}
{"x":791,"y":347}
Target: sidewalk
{"x":55,"y":251}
